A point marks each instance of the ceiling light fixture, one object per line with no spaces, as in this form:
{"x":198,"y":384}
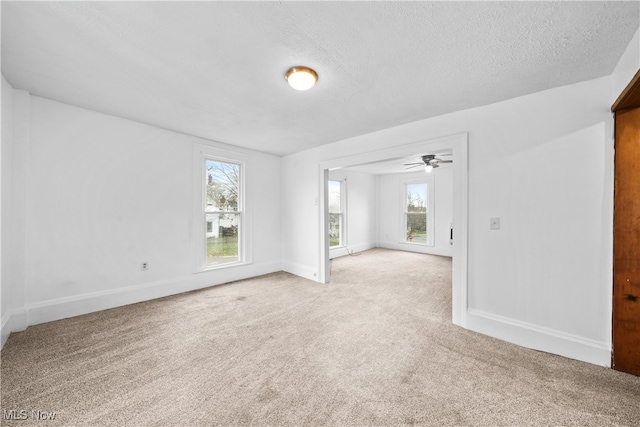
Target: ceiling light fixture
{"x":301,"y":78}
{"x":429,"y":162}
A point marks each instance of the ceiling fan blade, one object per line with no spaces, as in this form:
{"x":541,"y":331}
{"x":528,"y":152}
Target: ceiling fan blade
{"x":415,"y":165}
{"x":410,"y":164}
{"x":444,"y":161}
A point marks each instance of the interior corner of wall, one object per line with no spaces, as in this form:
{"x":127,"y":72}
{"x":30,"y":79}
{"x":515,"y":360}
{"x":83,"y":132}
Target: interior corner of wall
{"x":14,"y":321}
{"x":4,"y":329}
{"x":4,"y":336}
{"x":300,"y":270}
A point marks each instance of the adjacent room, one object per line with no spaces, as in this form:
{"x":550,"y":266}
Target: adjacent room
{"x":320,"y":213}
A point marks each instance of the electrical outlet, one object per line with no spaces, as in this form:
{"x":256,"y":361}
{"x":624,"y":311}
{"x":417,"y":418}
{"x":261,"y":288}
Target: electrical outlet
{"x":144,"y":266}
{"x":494,"y":223}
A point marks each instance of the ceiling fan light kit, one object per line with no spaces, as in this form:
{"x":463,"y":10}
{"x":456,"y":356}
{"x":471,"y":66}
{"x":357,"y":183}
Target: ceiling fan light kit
{"x":429,"y":161}
{"x":301,"y":78}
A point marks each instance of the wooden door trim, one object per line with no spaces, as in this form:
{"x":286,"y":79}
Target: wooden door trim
{"x":630,"y":96}
{"x":627,"y":103}
{"x":626,"y":250}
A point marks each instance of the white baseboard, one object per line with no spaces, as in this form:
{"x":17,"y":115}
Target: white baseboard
{"x":61,"y":308}
{"x":350,"y":249}
{"x":14,"y":321}
{"x":412,"y":247}
{"x":540,"y":338}
{"x":301,"y":270}
{"x":5,"y":328}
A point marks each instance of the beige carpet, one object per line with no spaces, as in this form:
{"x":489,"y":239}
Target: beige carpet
{"x":375,"y":347}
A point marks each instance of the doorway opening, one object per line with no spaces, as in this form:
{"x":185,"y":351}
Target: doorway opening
{"x":457,"y":145}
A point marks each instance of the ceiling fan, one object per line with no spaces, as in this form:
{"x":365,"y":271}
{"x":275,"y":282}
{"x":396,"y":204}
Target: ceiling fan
{"x":429,"y":162}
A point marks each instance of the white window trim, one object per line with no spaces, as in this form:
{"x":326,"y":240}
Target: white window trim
{"x":430,"y":181}
{"x":201,"y":153}
{"x":343,"y":211}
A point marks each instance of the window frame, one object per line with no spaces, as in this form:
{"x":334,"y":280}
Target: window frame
{"x":201,"y":154}
{"x":342,"y":213}
{"x":430,"y":214}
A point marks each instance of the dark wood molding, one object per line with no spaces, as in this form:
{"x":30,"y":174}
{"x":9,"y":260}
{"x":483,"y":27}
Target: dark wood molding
{"x":626,"y":243}
{"x":630,"y":96}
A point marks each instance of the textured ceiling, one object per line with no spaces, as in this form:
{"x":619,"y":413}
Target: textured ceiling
{"x":215,"y":69}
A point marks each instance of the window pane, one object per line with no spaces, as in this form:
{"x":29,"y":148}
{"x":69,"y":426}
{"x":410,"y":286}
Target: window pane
{"x":417,"y":227}
{"x":223,"y":183}
{"x":417,"y":197}
{"x":222,"y":240}
{"x":335,"y":223}
{"x":334,"y":197}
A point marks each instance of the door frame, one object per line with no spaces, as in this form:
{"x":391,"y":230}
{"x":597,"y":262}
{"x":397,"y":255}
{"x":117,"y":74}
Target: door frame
{"x":629,"y":99}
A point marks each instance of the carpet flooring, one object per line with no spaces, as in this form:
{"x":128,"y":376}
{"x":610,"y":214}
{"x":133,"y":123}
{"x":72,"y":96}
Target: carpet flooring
{"x":376,"y":347}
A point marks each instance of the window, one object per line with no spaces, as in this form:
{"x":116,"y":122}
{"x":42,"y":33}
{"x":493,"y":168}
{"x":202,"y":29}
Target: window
{"x":222,"y":213}
{"x":418,"y":212}
{"x":221,"y":219}
{"x":336,"y":214}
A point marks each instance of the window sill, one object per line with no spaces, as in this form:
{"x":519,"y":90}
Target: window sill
{"x":222,"y":267}
{"x":417,"y":244}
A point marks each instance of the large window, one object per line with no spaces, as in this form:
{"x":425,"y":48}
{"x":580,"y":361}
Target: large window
{"x":222,"y":213}
{"x":336,"y":214}
{"x":418,"y":212}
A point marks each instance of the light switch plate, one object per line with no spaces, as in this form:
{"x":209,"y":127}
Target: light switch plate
{"x":494,"y":223}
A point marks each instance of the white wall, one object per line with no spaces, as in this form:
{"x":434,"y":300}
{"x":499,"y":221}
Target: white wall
{"x":360,"y":211}
{"x":390,"y":212}
{"x":300,"y":209}
{"x":15,"y":147}
{"x":98,"y":195}
{"x":5,"y":173}
{"x":627,"y":67}
{"x":543,"y":164}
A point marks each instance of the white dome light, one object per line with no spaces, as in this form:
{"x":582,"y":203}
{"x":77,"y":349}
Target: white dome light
{"x":301,"y":78}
